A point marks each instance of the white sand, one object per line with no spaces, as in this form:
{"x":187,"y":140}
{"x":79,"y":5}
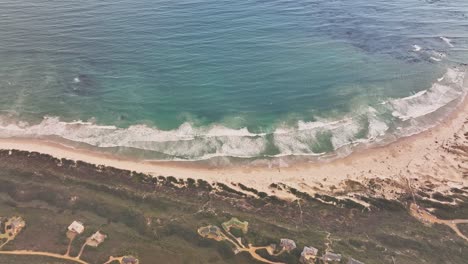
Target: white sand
{"x":421,"y":157}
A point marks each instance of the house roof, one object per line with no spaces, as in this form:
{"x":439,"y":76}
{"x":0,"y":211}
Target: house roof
{"x":236,"y":223}
{"x":98,"y":237}
{"x":287,"y":243}
{"x":129,"y":260}
{"x":76,"y":227}
{"x":308,"y":252}
{"x":16,"y":223}
{"x":331,"y":257}
{"x":214,"y":229}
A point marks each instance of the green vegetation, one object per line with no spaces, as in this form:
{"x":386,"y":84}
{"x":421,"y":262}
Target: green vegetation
{"x":228,"y":189}
{"x":152,"y":218}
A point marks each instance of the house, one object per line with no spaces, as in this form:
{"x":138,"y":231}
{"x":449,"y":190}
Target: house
{"x":353,"y":261}
{"x":129,"y":260}
{"x":14,"y":225}
{"x":76,"y":227}
{"x":96,"y":239}
{"x":235,"y":223}
{"x":287,"y":244}
{"x":308,"y":255}
{"x":17,"y":222}
{"x":211,"y":232}
{"x":331,"y":257}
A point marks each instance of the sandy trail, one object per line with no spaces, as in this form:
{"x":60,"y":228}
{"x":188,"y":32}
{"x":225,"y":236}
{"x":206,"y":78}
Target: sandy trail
{"x":253,"y":252}
{"x":426,"y":217}
{"x":46,"y":254}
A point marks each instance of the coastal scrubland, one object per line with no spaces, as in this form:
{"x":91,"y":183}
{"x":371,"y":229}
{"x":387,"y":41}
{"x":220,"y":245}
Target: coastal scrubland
{"x":156,"y":218}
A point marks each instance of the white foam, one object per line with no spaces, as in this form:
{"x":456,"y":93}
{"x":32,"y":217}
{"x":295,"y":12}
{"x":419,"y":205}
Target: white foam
{"x":377,"y":127}
{"x":76,"y":80}
{"x":416,"y":48}
{"x":218,"y":130}
{"x":343,"y":133}
{"x":431,"y":100}
{"x":185,"y":141}
{"x":193,"y":143}
{"x":447,"y":41}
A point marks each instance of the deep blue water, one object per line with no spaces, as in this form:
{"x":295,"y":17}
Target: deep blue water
{"x":195,"y":79}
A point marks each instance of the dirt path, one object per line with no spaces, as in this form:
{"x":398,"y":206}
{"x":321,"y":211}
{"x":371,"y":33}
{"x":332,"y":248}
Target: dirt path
{"x":253,"y":252}
{"x":82,"y":249}
{"x":71,"y":238}
{"x":453,"y":225}
{"x":4,"y":243}
{"x":46,"y":254}
{"x":236,"y":245}
{"x":425,"y":217}
{"x":112,"y":259}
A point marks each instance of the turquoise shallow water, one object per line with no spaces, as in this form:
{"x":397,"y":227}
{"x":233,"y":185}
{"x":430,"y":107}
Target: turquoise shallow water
{"x":198,"y":79}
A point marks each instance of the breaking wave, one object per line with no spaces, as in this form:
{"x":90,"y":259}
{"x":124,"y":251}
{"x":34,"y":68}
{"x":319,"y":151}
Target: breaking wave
{"x":390,"y":119}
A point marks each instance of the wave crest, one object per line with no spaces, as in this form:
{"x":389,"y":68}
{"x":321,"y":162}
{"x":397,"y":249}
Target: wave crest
{"x":399,"y":117}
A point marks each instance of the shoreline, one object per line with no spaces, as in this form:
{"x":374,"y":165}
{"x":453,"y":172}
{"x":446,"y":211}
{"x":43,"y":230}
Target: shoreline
{"x":388,"y":161}
{"x":192,"y":144}
{"x":423,"y":156}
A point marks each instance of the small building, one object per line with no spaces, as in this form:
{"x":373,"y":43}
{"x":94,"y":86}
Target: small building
{"x":17,"y":222}
{"x":14,"y":225}
{"x":308,"y":255}
{"x":329,"y":256}
{"x":129,"y":260}
{"x":353,"y":261}
{"x":211,"y":232}
{"x":96,"y":239}
{"x":76,"y":227}
{"x":235,"y":223}
{"x":287,"y":244}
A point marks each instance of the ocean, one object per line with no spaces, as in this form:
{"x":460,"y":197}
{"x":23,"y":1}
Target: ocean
{"x":249,"y":79}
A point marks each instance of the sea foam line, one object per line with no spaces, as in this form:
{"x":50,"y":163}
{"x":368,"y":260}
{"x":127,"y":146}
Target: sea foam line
{"x":306,"y":138}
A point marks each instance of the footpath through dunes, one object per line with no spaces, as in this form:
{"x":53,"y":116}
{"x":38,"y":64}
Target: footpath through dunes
{"x":46,"y":254}
{"x":424,"y":216}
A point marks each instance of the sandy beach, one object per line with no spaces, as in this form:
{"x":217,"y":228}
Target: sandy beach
{"x":434,"y":159}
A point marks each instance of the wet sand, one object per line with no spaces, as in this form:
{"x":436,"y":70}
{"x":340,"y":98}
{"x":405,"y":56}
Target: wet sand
{"x":436,"y":158}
